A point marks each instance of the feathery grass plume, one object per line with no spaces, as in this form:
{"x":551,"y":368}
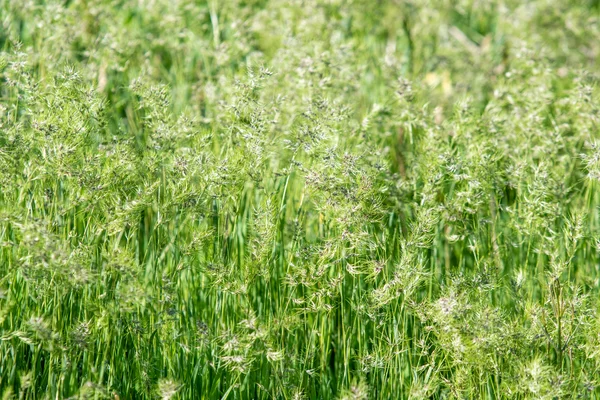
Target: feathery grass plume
{"x":299,"y":199}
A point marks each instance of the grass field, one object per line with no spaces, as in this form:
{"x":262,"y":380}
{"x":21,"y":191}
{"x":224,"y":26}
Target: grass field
{"x":299,"y":199}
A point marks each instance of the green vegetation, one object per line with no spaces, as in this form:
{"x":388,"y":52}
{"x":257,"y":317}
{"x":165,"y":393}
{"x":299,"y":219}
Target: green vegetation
{"x":287,"y":199}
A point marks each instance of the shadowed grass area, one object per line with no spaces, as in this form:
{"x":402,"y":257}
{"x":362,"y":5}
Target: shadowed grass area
{"x":315,"y":199}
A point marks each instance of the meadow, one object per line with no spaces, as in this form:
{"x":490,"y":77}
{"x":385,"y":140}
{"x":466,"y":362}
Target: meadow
{"x":299,"y":199}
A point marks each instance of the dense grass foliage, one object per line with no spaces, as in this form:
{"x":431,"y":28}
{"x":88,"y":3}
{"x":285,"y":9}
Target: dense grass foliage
{"x":286,"y":199}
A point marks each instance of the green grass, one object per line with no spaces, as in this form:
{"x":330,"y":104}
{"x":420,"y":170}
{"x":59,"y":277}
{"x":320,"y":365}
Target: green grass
{"x":318,"y":199}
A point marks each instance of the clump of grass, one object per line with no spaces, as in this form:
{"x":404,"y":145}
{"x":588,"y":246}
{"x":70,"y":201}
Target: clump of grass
{"x":279,"y":199}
